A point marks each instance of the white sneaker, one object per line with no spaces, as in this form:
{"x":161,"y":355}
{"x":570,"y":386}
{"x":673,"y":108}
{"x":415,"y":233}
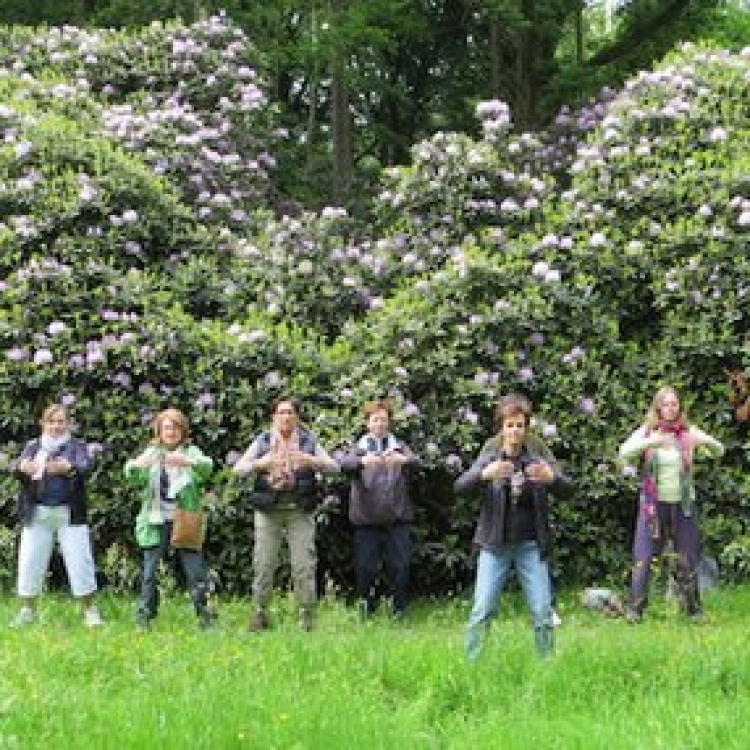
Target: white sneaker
{"x":556,"y":621}
{"x":92,"y":618}
{"x":27,"y":616}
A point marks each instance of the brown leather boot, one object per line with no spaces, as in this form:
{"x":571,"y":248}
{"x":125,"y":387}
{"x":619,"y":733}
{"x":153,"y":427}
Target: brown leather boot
{"x":306,"y":619}
{"x":259,"y":621}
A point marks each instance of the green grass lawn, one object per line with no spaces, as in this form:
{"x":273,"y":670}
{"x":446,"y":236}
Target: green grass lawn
{"x":664,"y":684}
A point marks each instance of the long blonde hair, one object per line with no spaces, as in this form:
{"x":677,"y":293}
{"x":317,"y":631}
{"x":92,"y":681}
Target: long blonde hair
{"x":653,"y":415}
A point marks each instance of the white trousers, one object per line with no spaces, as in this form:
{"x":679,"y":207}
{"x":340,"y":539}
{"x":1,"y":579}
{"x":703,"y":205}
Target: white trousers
{"x":35,"y":550}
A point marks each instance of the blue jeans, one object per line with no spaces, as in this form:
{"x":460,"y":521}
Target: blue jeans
{"x":193,"y":566}
{"x":492,"y":572}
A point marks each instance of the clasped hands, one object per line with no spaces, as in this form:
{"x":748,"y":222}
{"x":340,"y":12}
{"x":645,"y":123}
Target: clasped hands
{"x":391,"y":457}
{"x":58,"y":466}
{"x":169,"y":460}
{"x":537,"y":471}
{"x":298,"y":459}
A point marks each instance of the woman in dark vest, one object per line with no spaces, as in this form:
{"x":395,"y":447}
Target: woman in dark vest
{"x":52,"y":503}
{"x":284,"y":461}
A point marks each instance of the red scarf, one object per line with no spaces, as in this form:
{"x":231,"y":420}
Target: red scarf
{"x":681,"y":432}
{"x":649,"y":488}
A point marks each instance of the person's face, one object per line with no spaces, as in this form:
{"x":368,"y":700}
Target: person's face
{"x":377,"y":423}
{"x":55,"y":425}
{"x":669,"y":409}
{"x":170,"y":434}
{"x":513,"y":432}
{"x":285,"y":417}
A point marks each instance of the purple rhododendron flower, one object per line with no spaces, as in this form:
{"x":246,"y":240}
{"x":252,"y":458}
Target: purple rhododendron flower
{"x":17,"y":354}
{"x":587,"y":405}
{"x":43,"y":357}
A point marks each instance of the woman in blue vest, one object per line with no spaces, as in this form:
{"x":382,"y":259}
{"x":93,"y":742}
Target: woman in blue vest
{"x":284,"y":461}
{"x":52,"y":503}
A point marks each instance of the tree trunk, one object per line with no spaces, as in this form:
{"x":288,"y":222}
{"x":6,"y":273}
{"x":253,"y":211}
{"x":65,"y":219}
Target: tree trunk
{"x":495,"y":59}
{"x":579,"y":35}
{"x":341,"y":121}
{"x":342,"y":129}
{"x":526,"y":52}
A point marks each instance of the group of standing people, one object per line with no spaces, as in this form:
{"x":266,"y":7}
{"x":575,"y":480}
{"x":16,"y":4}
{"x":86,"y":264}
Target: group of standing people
{"x":515,"y":471}
{"x":282,"y":465}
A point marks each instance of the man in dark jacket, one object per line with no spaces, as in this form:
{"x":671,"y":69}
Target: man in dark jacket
{"x":514,"y":524}
{"x":380,"y":509}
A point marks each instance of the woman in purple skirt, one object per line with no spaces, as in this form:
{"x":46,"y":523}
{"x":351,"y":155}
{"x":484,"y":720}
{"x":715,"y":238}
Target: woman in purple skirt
{"x":666,"y":445}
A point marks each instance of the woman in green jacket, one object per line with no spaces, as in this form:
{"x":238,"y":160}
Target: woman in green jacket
{"x":170,"y":474}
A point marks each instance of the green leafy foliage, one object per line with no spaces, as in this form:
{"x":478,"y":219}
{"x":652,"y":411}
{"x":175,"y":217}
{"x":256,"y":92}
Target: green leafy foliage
{"x":584,"y":266}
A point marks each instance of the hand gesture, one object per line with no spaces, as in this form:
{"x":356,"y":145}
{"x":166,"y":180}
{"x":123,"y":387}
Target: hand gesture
{"x":175,"y":460}
{"x":59,"y":466}
{"x":395,"y":457}
{"x":265,"y":463}
{"x":663,"y":440}
{"x":499,"y":469}
{"x":540,"y":471}
{"x":303,"y":460}
{"x":371,"y":459}
{"x":27,"y":466}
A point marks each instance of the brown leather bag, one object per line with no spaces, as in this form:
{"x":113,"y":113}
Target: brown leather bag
{"x":188,"y":529}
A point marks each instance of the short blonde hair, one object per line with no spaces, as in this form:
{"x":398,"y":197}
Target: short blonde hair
{"x":173,"y":415}
{"x":51,"y":411}
{"x":372,"y":407}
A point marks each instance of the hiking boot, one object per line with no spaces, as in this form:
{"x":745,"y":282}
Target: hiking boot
{"x":544,"y":640}
{"x":26,"y":616}
{"x":142,"y":622}
{"x":92,"y":617}
{"x":207,"y":619}
{"x":363,"y":610}
{"x":633,"y":616}
{"x":399,"y":615}
{"x":306,"y":620}
{"x":259,"y":621}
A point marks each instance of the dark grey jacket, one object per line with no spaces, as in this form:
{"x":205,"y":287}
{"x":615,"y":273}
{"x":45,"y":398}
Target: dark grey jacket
{"x":380,"y":495}
{"x":492,"y":516}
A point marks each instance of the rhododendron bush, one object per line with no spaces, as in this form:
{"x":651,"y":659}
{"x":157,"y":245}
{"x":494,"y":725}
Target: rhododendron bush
{"x":147,"y":260}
